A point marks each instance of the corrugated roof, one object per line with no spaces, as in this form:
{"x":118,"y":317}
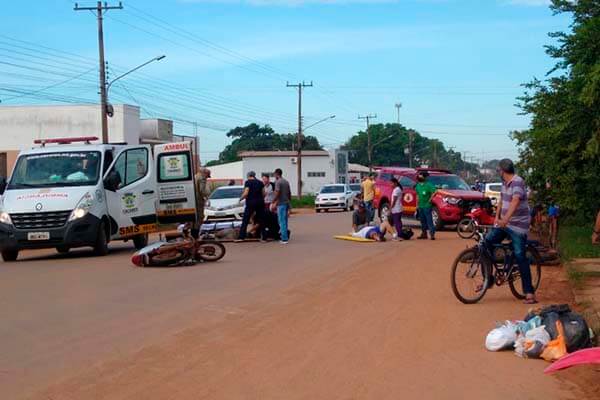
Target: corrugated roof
{"x":305,"y":153}
{"x":357,"y":168}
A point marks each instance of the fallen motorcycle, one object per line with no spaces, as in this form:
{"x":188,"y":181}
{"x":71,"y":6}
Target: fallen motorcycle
{"x":477,"y":219}
{"x":184,"y":250}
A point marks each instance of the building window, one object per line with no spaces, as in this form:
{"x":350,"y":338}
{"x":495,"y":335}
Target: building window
{"x":316,"y":174}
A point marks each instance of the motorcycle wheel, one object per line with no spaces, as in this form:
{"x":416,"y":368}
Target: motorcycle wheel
{"x":210,"y":251}
{"x":466,"y":228}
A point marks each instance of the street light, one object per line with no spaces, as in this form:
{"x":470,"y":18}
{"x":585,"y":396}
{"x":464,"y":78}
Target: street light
{"x":133,"y":70}
{"x":318,"y":122}
{"x":370,"y":148}
{"x":108,"y":108}
{"x":382,"y":140}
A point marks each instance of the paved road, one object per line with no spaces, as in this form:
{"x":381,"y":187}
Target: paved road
{"x":318,"y":318}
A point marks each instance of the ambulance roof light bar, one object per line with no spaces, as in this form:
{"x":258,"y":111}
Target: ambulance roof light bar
{"x":85,"y":139}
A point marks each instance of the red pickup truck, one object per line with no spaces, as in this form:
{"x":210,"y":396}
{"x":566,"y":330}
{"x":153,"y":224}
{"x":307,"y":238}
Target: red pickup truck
{"x":453,"y":199}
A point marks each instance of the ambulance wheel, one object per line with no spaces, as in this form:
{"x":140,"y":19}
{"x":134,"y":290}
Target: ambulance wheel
{"x":101,"y":245}
{"x":62,"y":249}
{"x":10,"y":255}
{"x":140,"y":241}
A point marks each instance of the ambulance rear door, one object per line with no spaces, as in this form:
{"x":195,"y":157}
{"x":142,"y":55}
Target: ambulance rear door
{"x":175,"y":183}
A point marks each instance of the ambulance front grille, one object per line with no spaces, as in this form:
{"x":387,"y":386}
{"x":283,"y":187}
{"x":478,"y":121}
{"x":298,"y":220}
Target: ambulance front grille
{"x":40,"y":220}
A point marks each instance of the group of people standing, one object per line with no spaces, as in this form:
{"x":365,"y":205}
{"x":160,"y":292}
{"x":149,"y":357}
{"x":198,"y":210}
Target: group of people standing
{"x":268,"y":205}
{"x":364,"y":214}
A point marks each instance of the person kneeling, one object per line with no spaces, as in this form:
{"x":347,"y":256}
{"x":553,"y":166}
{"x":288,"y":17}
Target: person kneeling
{"x":360,"y":217}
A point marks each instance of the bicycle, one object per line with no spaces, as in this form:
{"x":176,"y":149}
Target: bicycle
{"x":477,"y":266}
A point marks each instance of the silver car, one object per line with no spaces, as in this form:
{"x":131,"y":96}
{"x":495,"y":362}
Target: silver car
{"x":224,"y":204}
{"x":334,"y":196}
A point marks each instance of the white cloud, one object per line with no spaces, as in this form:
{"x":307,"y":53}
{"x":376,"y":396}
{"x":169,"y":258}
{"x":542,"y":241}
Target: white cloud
{"x":277,"y":45}
{"x":528,"y":2}
{"x":291,"y":3}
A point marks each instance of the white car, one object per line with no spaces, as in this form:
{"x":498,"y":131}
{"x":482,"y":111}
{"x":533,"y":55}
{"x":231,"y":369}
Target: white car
{"x":492,"y":191}
{"x":356,"y":190}
{"x":334,"y":196}
{"x":224,"y":204}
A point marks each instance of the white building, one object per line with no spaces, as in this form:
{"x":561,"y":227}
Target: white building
{"x":21,"y":125}
{"x":319,"y":168}
{"x":224,"y":173}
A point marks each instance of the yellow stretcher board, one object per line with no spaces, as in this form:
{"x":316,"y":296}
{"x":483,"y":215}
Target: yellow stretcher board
{"x":353,"y":239}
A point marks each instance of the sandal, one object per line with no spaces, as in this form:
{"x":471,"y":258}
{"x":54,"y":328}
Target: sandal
{"x":530,"y":300}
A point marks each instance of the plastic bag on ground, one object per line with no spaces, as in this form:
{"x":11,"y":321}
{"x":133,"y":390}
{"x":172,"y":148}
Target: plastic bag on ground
{"x":556,"y":348}
{"x":577,"y":334}
{"x":533,"y":343}
{"x":502,"y":337}
{"x":524,"y":326}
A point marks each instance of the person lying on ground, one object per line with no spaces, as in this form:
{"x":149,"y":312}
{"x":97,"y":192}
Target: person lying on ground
{"x":376,"y":233}
{"x":360,"y":217}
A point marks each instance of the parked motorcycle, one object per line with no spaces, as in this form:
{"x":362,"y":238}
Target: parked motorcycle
{"x":479,"y":218}
{"x":184,"y":250}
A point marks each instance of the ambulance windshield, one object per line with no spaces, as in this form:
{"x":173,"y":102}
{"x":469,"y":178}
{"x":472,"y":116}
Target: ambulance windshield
{"x":77,"y":168}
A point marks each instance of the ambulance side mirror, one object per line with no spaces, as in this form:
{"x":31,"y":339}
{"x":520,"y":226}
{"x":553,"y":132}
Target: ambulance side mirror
{"x":2,"y":185}
{"x":112,"y":181}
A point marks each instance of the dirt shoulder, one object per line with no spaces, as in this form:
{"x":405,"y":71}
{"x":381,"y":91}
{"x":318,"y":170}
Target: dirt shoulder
{"x":385,"y":327}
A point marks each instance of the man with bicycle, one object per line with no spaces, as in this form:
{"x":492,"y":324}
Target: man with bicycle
{"x":512,"y":221}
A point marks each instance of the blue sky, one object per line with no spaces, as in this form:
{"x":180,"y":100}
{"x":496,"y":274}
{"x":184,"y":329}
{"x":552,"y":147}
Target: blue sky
{"x":455,"y":65}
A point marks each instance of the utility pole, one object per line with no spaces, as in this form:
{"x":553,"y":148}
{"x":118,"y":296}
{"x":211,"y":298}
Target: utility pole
{"x":300,"y":86}
{"x":103,"y":98}
{"x":368,"y":118}
{"x":434,"y":153}
{"x":398,"y":107}
{"x":410,"y":148}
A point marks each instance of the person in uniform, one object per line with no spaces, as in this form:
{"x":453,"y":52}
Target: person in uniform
{"x":202,"y":193}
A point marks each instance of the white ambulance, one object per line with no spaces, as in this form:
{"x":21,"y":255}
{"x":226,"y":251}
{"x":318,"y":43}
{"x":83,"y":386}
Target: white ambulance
{"x":68,"y":193}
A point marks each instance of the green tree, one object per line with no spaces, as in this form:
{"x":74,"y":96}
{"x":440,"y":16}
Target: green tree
{"x":390,"y":144}
{"x":260,"y":138}
{"x":559,"y":153}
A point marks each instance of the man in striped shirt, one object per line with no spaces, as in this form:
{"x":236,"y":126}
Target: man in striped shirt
{"x":512,"y":221}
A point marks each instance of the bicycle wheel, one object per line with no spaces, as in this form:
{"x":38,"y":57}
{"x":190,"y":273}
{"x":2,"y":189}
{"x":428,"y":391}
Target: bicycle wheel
{"x":210,"y":251}
{"x":535,"y":262}
{"x":466,"y":228}
{"x":470,"y":276}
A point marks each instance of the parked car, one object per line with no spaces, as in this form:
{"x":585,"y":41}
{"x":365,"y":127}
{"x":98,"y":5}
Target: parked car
{"x":492,"y":191}
{"x":334,"y":196}
{"x":356,"y":189}
{"x":451,"y":202}
{"x":224,"y":204}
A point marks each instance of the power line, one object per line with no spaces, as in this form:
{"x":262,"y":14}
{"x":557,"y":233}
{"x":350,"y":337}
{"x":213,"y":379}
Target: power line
{"x":48,"y":87}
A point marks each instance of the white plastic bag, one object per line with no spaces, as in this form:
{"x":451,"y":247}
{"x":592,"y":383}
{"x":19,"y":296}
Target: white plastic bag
{"x":539,"y":334}
{"x":532,"y":343}
{"x":501,"y":337}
